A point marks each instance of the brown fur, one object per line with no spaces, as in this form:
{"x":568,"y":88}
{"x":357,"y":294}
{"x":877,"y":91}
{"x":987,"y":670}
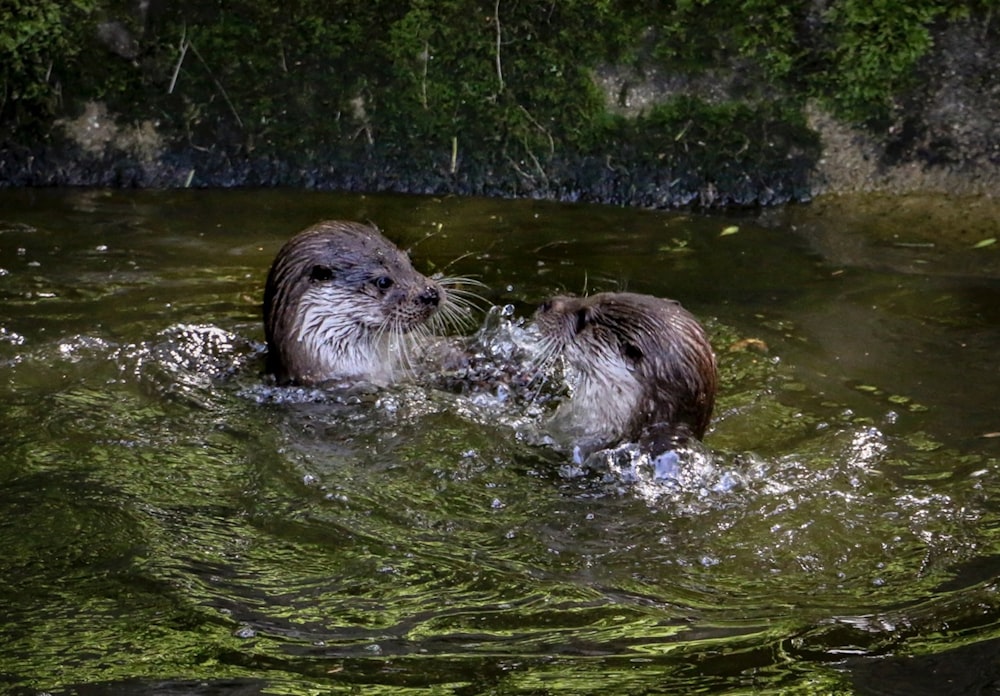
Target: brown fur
{"x":635,"y":363}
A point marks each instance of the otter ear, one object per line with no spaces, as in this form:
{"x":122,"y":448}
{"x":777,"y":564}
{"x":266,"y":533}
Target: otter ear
{"x":582,"y":319}
{"x":320,"y":273}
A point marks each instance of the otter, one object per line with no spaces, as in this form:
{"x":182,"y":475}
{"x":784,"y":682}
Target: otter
{"x":639,"y":368}
{"x":342,"y":303}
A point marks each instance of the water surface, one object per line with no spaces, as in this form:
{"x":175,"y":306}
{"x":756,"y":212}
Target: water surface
{"x":170,"y":522}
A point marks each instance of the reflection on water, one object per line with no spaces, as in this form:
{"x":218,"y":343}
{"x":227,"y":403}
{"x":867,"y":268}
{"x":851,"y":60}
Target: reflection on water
{"x":169,"y":518}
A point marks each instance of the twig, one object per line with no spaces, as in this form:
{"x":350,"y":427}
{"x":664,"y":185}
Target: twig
{"x":538,"y":165}
{"x":426,"y":58}
{"x":180,"y":60}
{"x":524,"y":172}
{"x":222,"y":90}
{"x":539,"y":126}
{"x":496,"y":22}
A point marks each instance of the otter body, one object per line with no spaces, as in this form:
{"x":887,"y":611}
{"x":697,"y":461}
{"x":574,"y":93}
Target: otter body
{"x":637,"y":366}
{"x":341,"y":303}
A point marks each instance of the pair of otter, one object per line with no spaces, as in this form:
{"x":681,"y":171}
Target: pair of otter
{"x":341,"y":300}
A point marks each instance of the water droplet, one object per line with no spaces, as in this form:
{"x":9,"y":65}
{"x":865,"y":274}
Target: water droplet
{"x":245,"y":632}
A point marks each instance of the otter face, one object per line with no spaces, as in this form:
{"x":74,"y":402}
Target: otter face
{"x":340,"y":303}
{"x":604,"y":389}
{"x":632,"y":361}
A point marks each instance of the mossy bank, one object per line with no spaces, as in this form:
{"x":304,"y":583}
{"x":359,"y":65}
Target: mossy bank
{"x":692,"y":102}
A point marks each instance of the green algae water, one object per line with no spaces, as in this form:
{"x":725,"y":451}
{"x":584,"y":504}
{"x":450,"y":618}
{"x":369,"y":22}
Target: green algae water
{"x":170,"y":523}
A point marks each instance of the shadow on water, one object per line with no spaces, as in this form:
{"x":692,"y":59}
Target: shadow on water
{"x":172,"y":524}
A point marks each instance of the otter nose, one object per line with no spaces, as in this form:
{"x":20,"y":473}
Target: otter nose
{"x":430,"y":296}
{"x":556,"y":305}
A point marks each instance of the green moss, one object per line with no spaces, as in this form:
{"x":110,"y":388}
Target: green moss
{"x":714,"y":140}
{"x":875,"y":46}
{"x":699,"y":33}
{"x":854,"y":55}
{"x":515,"y":77}
{"x":511,"y":84}
{"x":275,"y":76}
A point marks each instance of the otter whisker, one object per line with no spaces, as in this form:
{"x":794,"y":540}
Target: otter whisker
{"x":401,"y":340}
{"x":549,"y":349}
{"x":460,"y":304}
{"x":453,"y":312}
{"x":465,"y":298}
{"x":540,"y":365}
{"x":460,"y":307}
{"x":398,"y":345}
{"x":457,"y":285}
{"x":448,"y":315}
{"x":452,"y":315}
{"x":459,"y":280}
{"x":412,"y":345}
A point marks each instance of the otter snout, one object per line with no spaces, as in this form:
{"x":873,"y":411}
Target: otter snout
{"x":430,"y":296}
{"x":555,"y":305}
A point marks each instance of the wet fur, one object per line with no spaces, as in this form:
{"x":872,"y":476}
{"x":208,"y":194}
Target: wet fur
{"x":341,"y":302}
{"x":636,"y":365}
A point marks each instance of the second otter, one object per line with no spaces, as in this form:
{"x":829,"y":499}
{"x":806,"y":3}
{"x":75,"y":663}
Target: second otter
{"x":638,"y":367}
{"x":340,"y":304}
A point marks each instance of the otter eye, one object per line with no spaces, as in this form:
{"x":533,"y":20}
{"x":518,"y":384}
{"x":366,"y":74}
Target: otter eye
{"x":581,"y":320}
{"x":632,"y":352}
{"x":383,"y":282}
{"x":320,"y":274}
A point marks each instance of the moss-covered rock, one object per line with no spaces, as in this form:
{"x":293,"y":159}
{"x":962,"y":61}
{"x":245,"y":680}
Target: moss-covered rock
{"x":688,"y":102}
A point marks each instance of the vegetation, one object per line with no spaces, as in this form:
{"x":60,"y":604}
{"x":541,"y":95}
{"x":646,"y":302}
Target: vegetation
{"x":509,"y":83}
{"x":853,"y":55}
{"x":36,"y":42}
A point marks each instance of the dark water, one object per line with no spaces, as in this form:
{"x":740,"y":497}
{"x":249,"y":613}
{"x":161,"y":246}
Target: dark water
{"x":168,"y":524}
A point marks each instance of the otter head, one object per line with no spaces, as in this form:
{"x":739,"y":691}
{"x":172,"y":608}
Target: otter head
{"x":632,"y":362}
{"x":339,"y":304}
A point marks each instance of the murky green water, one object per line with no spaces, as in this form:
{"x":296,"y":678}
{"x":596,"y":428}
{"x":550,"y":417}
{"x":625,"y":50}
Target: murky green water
{"x":170,"y":525}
